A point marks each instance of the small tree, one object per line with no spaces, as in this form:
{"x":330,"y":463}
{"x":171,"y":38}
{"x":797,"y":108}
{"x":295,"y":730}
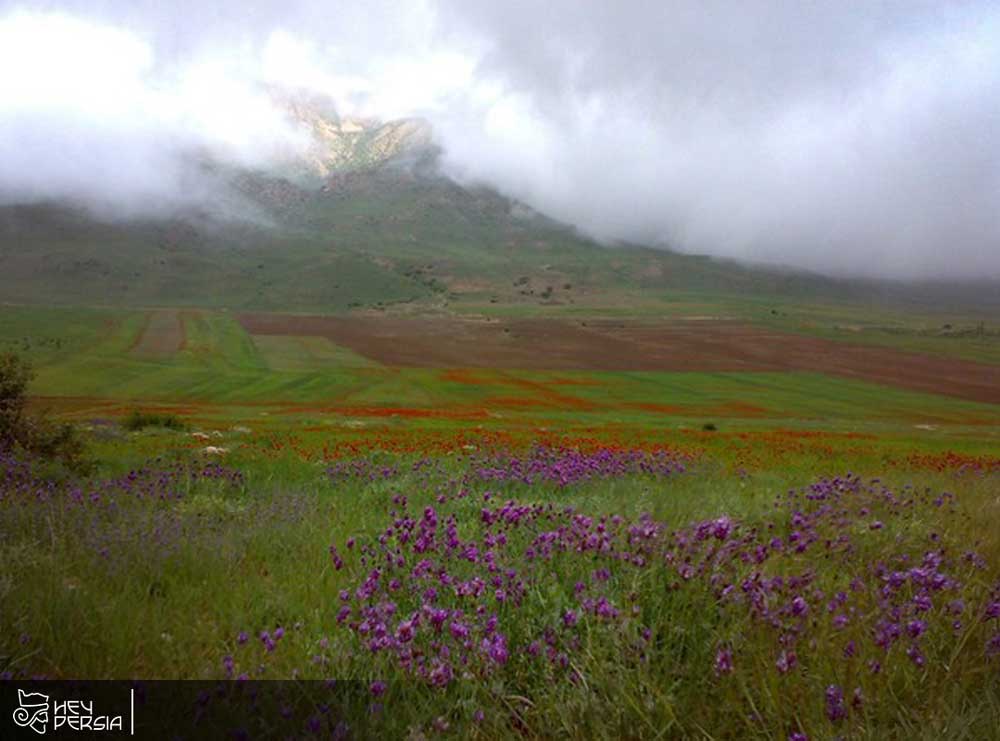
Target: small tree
{"x":32,"y":432}
{"x":15,"y":375}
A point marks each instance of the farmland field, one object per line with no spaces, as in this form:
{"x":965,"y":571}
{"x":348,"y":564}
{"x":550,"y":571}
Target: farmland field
{"x":580,"y":525}
{"x":462,"y":370}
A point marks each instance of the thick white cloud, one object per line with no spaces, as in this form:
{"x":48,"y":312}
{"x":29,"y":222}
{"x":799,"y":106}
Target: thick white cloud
{"x":85,"y":114}
{"x":855,"y":139}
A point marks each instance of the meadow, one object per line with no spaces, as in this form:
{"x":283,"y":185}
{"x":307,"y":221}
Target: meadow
{"x":488,"y":552}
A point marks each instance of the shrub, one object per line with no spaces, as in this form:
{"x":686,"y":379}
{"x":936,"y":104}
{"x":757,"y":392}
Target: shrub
{"x":137,"y":420}
{"x":15,"y":375}
{"x":34,"y":433}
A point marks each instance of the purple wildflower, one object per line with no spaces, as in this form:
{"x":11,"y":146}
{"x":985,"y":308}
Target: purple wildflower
{"x":723,"y":661}
{"x":836,"y":711}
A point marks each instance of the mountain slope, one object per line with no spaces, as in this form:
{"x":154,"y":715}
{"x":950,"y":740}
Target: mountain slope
{"x":367,"y":221}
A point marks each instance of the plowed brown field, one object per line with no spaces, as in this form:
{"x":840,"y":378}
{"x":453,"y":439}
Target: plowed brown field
{"x":706,"y":345}
{"x":162,"y":336}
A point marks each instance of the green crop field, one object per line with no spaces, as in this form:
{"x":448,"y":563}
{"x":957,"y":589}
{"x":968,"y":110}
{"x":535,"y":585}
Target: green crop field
{"x":99,"y":354}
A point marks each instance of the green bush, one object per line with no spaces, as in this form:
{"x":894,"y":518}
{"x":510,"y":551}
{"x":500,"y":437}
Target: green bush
{"x":137,"y":420}
{"x":15,"y":375}
{"x":33,"y":433}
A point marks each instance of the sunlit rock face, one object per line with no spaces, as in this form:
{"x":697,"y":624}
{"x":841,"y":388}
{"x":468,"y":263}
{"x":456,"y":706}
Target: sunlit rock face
{"x":344,"y":143}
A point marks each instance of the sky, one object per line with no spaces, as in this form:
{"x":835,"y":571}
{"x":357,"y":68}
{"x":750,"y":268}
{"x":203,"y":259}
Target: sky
{"x":845,"y":138}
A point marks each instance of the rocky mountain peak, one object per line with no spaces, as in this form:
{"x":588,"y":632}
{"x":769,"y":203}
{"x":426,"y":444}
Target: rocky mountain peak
{"x":348,"y":143}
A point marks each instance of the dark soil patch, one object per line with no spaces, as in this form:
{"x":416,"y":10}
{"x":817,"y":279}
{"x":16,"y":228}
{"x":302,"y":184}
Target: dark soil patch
{"x":706,"y":346}
{"x":162,"y":336}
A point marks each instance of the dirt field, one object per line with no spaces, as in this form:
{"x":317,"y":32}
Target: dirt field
{"x":162,"y":336}
{"x":708,"y":346}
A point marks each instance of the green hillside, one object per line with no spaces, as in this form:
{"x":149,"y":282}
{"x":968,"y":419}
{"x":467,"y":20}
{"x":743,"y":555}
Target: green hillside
{"x":366,"y":221}
{"x":369,"y":239}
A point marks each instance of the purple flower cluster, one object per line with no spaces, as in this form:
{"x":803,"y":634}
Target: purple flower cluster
{"x":567,"y":466}
{"x":445,"y":595}
{"x":18,"y":481}
{"x":126,"y":514}
{"x":163,"y":481}
{"x":363,"y":469}
{"x":542,"y":464}
{"x":157,"y":480}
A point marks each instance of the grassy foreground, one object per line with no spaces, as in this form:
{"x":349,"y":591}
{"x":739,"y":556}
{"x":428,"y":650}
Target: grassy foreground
{"x":489,"y":553}
{"x":580,"y":588}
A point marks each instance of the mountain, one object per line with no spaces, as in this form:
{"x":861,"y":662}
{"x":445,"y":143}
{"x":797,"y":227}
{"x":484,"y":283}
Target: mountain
{"x":365,"y":220}
{"x":342,"y":144}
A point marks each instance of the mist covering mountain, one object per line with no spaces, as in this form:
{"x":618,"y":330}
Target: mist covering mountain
{"x":364,"y":217}
{"x":850,"y":141}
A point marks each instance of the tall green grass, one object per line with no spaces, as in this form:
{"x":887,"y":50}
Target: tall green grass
{"x":162,"y":589}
